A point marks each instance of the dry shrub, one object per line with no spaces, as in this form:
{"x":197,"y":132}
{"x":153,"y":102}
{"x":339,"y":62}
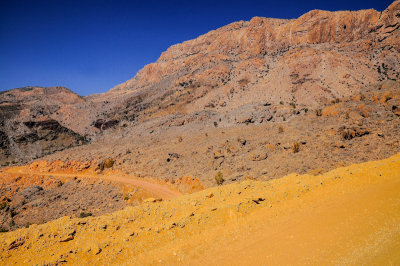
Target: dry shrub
{"x":219,"y":178}
{"x":108,"y":163}
{"x":3,"y":204}
{"x":296,"y":147}
{"x":347,"y":135}
{"x":318,"y":112}
{"x":281,"y":129}
{"x":85,"y":214}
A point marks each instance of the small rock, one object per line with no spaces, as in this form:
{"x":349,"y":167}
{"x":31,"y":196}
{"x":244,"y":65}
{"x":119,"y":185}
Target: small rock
{"x":68,"y":238}
{"x":16,"y":243}
{"x":259,"y":157}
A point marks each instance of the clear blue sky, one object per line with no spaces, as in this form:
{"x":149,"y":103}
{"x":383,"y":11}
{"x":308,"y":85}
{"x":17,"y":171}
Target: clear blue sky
{"x":91,"y":46}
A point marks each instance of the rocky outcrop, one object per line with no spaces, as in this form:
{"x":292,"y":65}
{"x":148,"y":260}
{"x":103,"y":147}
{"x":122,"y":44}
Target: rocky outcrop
{"x":34,"y":122}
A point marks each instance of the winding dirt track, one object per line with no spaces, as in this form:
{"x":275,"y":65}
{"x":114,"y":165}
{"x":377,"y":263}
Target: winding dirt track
{"x":158,"y":190}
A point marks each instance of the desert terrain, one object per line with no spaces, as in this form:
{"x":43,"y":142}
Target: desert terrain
{"x":346,"y":216}
{"x":269,"y":141}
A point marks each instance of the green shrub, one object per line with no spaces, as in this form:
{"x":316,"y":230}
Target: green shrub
{"x":85,"y":214}
{"x":219,"y":178}
{"x":108,"y":163}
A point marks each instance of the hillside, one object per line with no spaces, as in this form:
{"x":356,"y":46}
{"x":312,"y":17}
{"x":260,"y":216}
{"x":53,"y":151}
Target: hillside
{"x":347,"y":216}
{"x":272,"y":141}
{"x":36,"y":121}
{"x":246,"y":72}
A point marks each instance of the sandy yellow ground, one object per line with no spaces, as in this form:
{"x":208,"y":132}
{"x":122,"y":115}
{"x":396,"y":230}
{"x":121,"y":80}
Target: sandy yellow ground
{"x":350,"y":215}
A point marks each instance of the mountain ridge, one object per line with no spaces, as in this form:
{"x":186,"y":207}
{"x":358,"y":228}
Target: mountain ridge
{"x":263,"y":72}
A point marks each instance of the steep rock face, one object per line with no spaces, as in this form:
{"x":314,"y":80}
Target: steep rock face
{"x":43,"y":103}
{"x":35,"y":121}
{"x":307,"y":61}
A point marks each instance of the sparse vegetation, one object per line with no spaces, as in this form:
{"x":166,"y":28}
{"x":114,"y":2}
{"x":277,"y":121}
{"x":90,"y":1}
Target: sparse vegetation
{"x":281,"y":129}
{"x":296,"y":147}
{"x":318,"y":112}
{"x":3,"y":230}
{"x":219,"y":178}
{"x":3,"y":204}
{"x":347,"y":135}
{"x":106,"y":163}
{"x":85,"y":214}
{"x":27,"y":225}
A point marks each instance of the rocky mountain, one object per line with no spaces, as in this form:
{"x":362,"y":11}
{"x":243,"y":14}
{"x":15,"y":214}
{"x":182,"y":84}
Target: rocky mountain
{"x":319,"y":57}
{"x":305,"y":104}
{"x":36,"y":121}
{"x":247,"y":80}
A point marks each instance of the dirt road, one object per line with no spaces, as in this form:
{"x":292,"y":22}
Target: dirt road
{"x":158,"y":190}
{"x":348,"y":216}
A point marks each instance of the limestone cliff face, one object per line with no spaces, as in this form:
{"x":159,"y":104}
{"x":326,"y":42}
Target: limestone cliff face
{"x":310,"y":60}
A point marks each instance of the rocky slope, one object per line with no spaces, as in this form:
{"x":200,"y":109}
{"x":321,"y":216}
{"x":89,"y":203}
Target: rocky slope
{"x":254,"y":100}
{"x":298,"y":219}
{"x":242,"y":72}
{"x":316,"y":58}
{"x":36,"y":121}
{"x":41,"y":191}
{"x":353,"y":129}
